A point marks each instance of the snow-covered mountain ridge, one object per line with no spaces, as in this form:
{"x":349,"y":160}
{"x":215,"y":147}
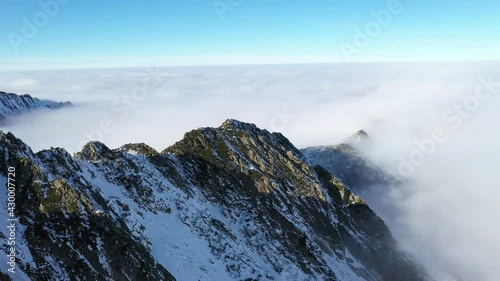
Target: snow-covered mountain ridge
{"x":12,"y":104}
{"x":228,"y":203}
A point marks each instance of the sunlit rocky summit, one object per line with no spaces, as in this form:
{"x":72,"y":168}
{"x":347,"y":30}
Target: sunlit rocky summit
{"x":228,"y":203}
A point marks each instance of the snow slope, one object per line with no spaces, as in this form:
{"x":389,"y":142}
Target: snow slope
{"x":227,"y":203}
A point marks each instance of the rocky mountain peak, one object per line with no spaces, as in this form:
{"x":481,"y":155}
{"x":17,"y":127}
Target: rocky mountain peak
{"x":139,"y":148}
{"x":243,"y":148}
{"x":235,"y":124}
{"x":62,"y":231}
{"x":230,"y":132}
{"x":95,"y":151}
{"x":228,"y":203}
{"x":13,"y":147}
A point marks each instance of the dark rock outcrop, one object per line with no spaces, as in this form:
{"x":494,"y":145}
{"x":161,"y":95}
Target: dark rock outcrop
{"x":348,"y":164}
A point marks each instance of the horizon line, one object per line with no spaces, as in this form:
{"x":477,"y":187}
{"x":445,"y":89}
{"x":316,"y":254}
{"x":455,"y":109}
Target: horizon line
{"x":145,"y":65}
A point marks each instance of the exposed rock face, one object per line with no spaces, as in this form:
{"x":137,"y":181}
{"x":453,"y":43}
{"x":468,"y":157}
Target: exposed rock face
{"x":61,"y":233}
{"x":348,"y":165}
{"x":227,"y":203}
{"x":12,"y":104}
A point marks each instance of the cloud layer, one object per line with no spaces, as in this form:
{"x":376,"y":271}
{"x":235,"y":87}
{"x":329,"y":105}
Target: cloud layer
{"x":445,"y":215}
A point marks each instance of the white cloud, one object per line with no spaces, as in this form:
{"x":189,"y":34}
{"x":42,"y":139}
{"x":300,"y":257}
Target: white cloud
{"x":24,"y":84}
{"x":446,"y":216}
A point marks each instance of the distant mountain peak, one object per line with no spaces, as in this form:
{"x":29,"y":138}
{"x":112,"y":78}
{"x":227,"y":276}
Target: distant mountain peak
{"x":362,"y":133}
{"x":349,"y":164}
{"x":358,"y":137}
{"x":13,"y":104}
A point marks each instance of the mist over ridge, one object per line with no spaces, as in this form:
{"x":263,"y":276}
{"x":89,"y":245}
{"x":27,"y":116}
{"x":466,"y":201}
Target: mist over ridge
{"x":444,"y":213}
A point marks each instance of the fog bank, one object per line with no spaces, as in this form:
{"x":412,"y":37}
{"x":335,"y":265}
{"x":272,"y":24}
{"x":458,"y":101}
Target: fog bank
{"x":432,"y":124}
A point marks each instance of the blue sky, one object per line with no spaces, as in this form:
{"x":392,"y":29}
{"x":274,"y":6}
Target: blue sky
{"x":82,"y":34}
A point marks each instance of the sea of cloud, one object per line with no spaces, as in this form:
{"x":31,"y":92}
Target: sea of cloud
{"x":433,"y":124}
